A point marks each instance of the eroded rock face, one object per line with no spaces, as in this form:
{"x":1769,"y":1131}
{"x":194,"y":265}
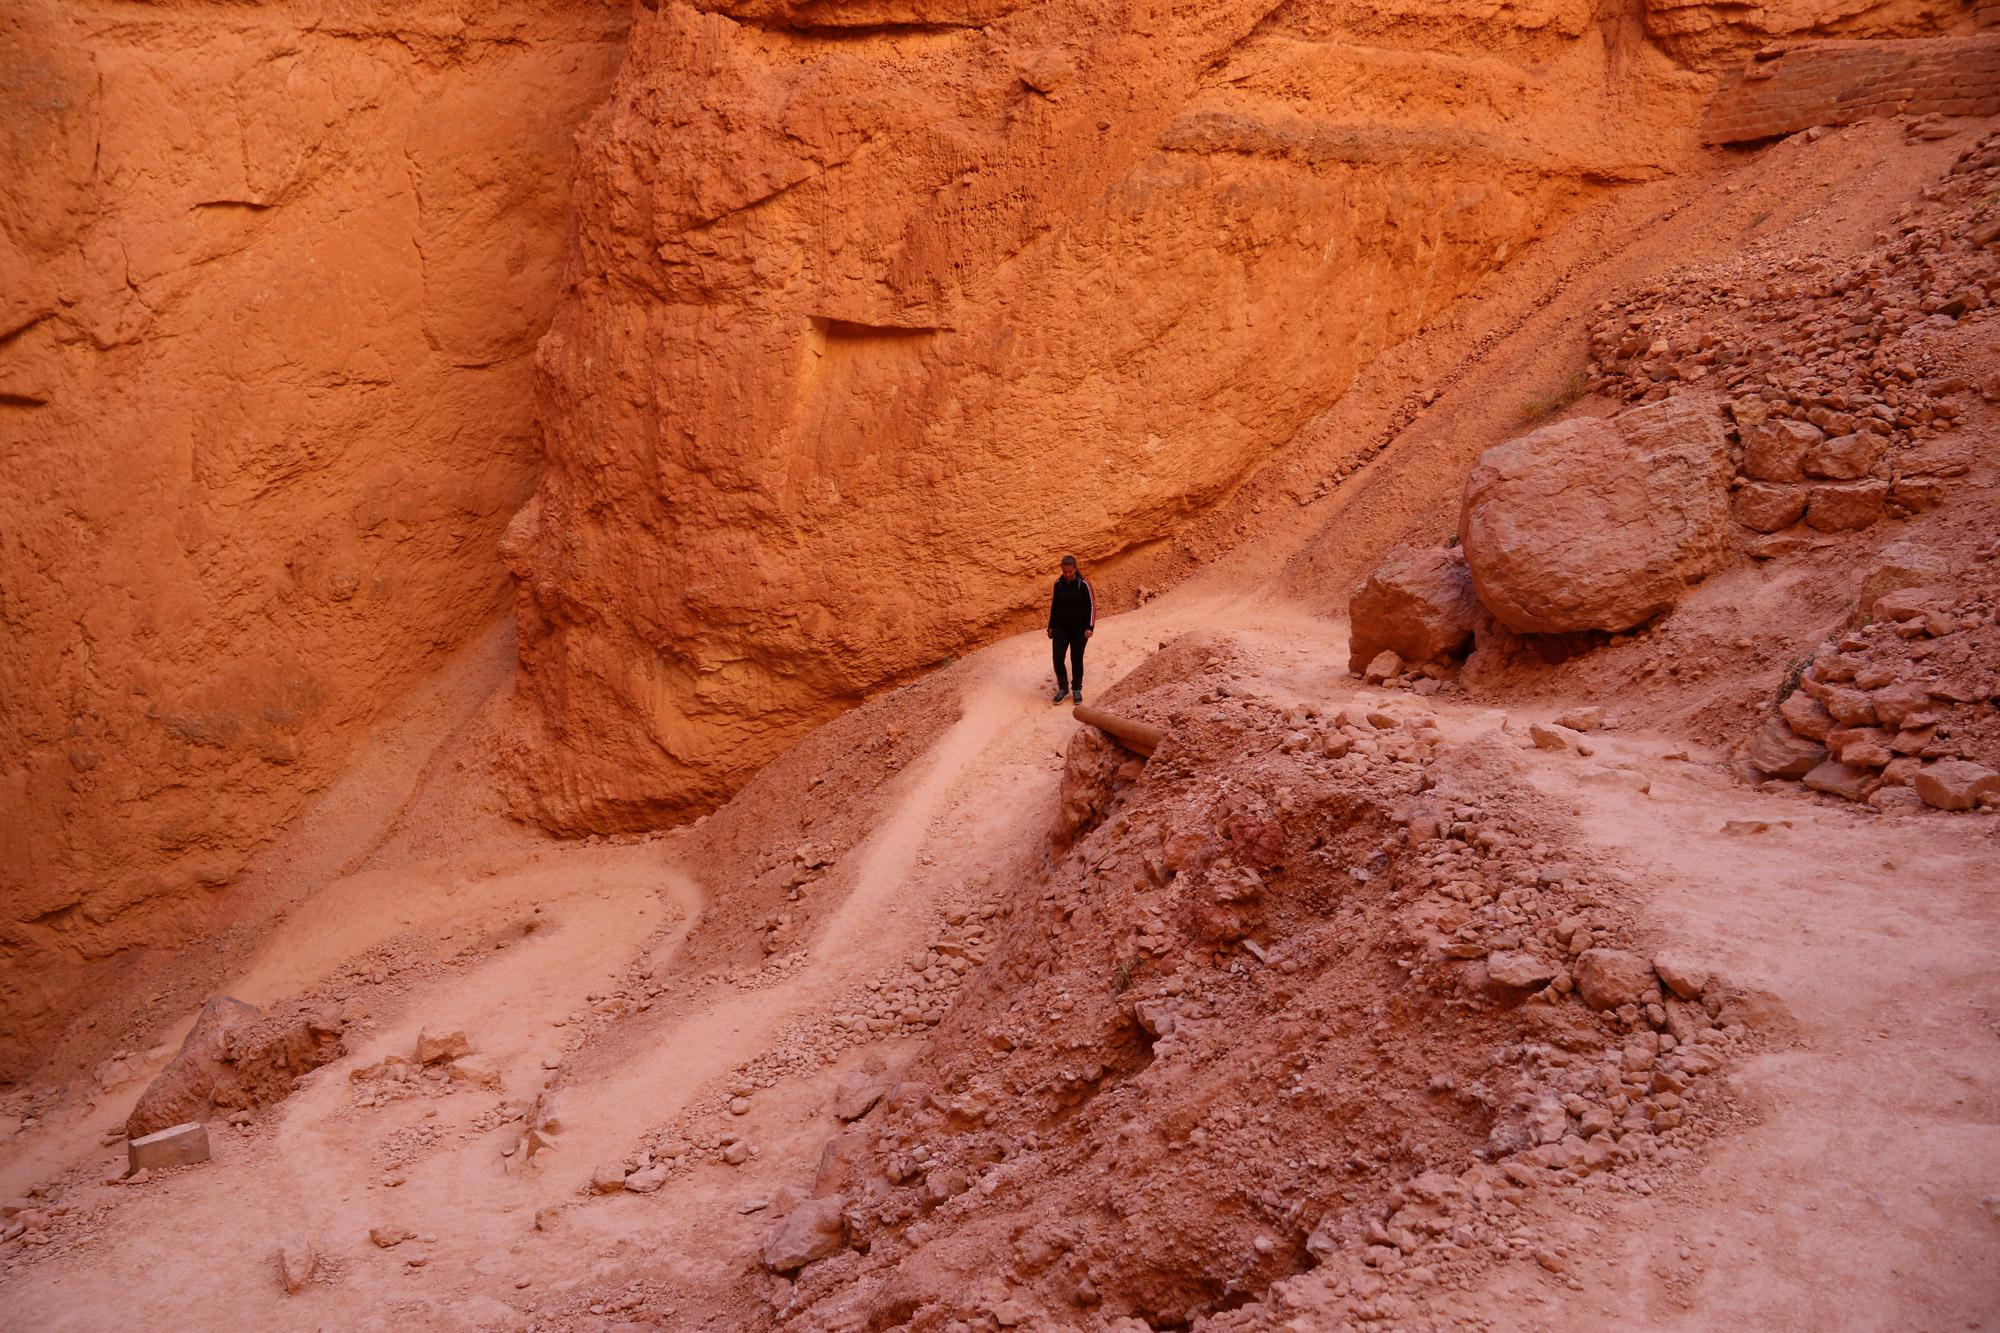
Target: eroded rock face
{"x":1709,"y":34}
{"x":872,"y":314}
{"x":1599,"y":524}
{"x":271,"y":278}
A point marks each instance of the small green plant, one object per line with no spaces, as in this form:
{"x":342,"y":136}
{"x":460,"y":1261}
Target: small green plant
{"x":1122,"y":979}
{"x":1795,"y":671}
{"x":1555,"y":401}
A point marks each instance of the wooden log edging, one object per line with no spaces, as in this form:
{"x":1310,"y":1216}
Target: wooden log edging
{"x":1141,"y":738}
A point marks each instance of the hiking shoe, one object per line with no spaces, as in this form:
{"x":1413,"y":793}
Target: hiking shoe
{"x":1059,"y":696}
{"x":1077,"y":695}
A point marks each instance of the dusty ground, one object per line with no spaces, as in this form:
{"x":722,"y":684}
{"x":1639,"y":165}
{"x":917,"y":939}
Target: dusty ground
{"x":1844,"y":1167}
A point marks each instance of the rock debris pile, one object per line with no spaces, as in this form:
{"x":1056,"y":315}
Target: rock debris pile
{"x":1843,"y":374}
{"x":1899,"y":710}
{"x":238,"y":1056}
{"x":1314,"y":985}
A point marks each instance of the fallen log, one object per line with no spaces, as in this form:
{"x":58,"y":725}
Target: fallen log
{"x":1141,"y":738}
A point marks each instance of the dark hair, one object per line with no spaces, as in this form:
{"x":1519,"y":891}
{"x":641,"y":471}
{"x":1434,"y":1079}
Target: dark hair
{"x":1069,"y":560}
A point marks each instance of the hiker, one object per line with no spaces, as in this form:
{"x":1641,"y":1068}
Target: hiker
{"x":1072,"y":620}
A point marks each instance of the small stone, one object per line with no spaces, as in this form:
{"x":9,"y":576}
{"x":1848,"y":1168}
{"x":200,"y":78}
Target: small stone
{"x":1547,"y":736}
{"x":177,"y":1145}
{"x":1860,"y":747}
{"x":1608,"y":978}
{"x":1776,"y":451}
{"x":1629,"y":779}
{"x":1856,"y":708}
{"x":1846,"y":506}
{"x":1838,"y":779}
{"x":857,"y":1094}
{"x":1155,"y":1016}
{"x":1844,"y":457}
{"x":296,"y":1262}
{"x":942,"y":1185}
{"x":1895,"y":704}
{"x":436,"y":1048}
{"x":1909,"y":603}
{"x":648,"y":1180}
{"x":1584,"y":719}
{"x":1779,"y":751}
{"x":1902,"y":770}
{"x":1898,"y":800}
{"x":607,"y":1178}
{"x":390,"y":1237}
{"x":1901,"y":565}
{"x":1957,"y":784}
{"x":1520,"y":971}
{"x":813,"y":1230}
{"x":842,"y":1164}
{"x":737,"y":1153}
{"x":1781,"y":544}
{"x":1683,"y":976}
{"x":1417,"y":603}
{"x":1385,"y":664}
{"x":1763,"y":506}
{"x":1806,"y":715}
{"x":739,"y":1106}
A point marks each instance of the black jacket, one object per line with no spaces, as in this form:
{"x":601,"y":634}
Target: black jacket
{"x":1073,"y":607}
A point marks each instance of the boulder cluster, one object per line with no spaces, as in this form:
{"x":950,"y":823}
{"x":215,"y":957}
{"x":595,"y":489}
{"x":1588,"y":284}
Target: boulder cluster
{"x":1312,"y":985}
{"x":1839,"y":372}
{"x":1594,"y":524}
{"x":1899,"y":710}
{"x":1770,"y":403}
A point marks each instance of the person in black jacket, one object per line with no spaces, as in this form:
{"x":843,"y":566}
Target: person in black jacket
{"x":1072,"y":620}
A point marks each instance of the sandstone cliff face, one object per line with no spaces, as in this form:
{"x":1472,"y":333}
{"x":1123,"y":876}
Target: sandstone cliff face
{"x":1707,"y":34}
{"x":875,"y":308}
{"x":270,"y":280}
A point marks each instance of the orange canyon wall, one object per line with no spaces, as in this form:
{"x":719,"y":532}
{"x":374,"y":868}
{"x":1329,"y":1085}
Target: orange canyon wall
{"x":876,"y":306}
{"x":271,"y":278}
{"x":866,"y":309}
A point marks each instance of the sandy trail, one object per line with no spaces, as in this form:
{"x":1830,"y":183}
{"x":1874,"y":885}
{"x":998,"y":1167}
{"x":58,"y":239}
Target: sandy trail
{"x":1874,"y":1161}
{"x":1877,"y":1148}
{"x":183,"y":1249}
{"x":1878,"y":1156}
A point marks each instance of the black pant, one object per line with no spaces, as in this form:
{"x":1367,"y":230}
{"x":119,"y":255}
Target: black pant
{"x":1070,"y":641}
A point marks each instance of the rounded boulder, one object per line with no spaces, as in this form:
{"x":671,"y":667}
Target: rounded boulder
{"x":1599,"y":524}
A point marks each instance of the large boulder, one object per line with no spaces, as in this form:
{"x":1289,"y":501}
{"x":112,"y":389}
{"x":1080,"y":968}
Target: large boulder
{"x":239,"y":1056}
{"x":1418,"y":604}
{"x":1956,"y":784}
{"x":180,"y":1093}
{"x":1599,"y":524}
